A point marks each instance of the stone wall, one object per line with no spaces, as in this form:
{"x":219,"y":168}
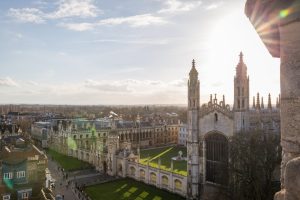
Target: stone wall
{"x":224,"y":124}
{"x":159,"y":178}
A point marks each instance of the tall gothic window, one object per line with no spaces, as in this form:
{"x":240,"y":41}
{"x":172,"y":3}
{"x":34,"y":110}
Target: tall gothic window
{"x":216,"y":158}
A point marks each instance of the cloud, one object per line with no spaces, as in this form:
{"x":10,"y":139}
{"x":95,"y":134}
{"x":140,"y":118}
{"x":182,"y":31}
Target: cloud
{"x":134,"y":21}
{"x":78,"y":26}
{"x":106,"y":86}
{"x":174,"y":6}
{"x":127,"y":91}
{"x":31,"y":15}
{"x":64,"y":9}
{"x":75,"y":8}
{"x":214,"y":5}
{"x":8,"y":82}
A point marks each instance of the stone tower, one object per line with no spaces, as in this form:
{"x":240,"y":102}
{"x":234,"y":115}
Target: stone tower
{"x":193,"y":135}
{"x":241,"y":96}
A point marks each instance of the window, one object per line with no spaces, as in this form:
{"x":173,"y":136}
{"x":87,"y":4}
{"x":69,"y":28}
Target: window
{"x":216,"y":158}
{"x":21,"y":174}
{"x":238,"y":89}
{"x":8,"y":175}
{"x":25,"y":195}
{"x":243,"y":103}
{"x":6,"y":197}
{"x":239,"y":104}
{"x":216,"y":117}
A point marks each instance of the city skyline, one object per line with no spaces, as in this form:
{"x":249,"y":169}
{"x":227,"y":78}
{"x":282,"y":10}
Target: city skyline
{"x":129,"y":52}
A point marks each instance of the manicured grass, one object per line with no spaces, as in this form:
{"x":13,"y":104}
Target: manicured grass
{"x":67,"y":162}
{"x":128,"y":189}
{"x":165,"y":154}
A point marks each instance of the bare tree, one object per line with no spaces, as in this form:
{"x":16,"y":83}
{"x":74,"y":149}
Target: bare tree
{"x":253,"y":159}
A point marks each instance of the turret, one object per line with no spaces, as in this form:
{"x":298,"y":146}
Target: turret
{"x":253,"y":104}
{"x":241,"y":96}
{"x":193,"y":89}
{"x":224,"y":103}
{"x":262,"y":103}
{"x":193,"y":135}
{"x":241,"y":86}
{"x":257,"y":102}
{"x":269,"y":102}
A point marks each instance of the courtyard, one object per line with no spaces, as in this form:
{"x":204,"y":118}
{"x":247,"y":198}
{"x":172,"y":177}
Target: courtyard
{"x":165,"y":154}
{"x":128,"y":189}
{"x":68,"y":163}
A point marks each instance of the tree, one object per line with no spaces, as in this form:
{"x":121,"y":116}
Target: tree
{"x":253,"y":159}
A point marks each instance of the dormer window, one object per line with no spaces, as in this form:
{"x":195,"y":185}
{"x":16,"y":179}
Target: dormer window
{"x":216,"y":117}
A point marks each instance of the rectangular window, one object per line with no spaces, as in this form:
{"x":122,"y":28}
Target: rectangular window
{"x":25,"y":195}
{"x":8,"y":175}
{"x":21,"y":174}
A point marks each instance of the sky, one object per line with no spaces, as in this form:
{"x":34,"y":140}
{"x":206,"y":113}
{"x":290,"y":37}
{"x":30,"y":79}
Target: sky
{"x":127,"y":51}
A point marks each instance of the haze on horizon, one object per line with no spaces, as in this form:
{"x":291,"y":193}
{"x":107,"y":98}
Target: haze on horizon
{"x":127,"y":52}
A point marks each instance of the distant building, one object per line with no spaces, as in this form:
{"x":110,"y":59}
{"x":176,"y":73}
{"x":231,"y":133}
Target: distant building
{"x":114,"y":150}
{"x":40,"y":133}
{"x":22,"y":169}
{"x":182,"y":134}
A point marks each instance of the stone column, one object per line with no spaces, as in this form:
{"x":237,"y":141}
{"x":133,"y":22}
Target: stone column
{"x":279,"y":30}
{"x":290,"y":91}
{"x":290,"y":110}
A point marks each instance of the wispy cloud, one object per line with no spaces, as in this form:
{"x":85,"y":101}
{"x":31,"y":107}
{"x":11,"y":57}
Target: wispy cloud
{"x":64,"y":9}
{"x":32,"y":15}
{"x":78,"y":26}
{"x":214,"y":5}
{"x":75,"y":8}
{"x":174,"y":6}
{"x":134,"y":21}
{"x":8,"y":82}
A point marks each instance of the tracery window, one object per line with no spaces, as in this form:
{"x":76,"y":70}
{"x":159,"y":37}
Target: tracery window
{"x":216,"y":158}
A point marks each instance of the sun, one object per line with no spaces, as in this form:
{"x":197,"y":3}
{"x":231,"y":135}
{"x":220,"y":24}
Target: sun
{"x":230,"y":35}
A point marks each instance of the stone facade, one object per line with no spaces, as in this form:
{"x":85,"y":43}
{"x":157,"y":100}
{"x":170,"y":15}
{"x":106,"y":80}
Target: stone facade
{"x":281,"y":26}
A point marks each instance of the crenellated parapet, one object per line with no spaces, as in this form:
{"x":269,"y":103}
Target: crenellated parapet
{"x":215,"y":105}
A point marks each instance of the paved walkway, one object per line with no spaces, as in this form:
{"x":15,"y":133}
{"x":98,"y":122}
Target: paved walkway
{"x":60,"y":184}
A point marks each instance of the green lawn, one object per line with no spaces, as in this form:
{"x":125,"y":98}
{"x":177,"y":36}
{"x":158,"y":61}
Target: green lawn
{"x":165,"y":154}
{"x":67,"y":162}
{"x":128,"y":189}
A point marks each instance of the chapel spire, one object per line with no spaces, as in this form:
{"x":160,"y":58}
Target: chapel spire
{"x":269,"y":102}
{"x":241,"y":57}
{"x":262,"y":103}
{"x":193,"y":72}
{"x":257,"y":102}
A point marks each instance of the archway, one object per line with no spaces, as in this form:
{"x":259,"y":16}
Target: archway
{"x":165,"y":181}
{"x":153,"y":177}
{"x":132,"y":171}
{"x":178,"y":185}
{"x":142,"y":174}
{"x":216,"y":158}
